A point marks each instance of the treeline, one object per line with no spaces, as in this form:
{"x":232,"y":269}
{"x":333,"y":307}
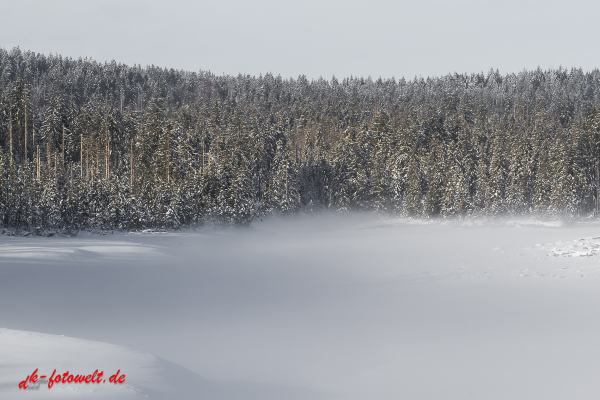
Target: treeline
{"x":88,"y":145}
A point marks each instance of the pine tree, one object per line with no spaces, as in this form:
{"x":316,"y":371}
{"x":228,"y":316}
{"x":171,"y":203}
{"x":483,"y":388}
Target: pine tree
{"x":436,"y":177}
{"x":283,"y":189}
{"x":413,"y":196}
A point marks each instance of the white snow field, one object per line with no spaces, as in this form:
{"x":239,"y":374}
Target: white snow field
{"x":311,"y":307}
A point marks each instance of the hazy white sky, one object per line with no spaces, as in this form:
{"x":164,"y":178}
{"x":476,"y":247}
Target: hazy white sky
{"x":314,"y":38}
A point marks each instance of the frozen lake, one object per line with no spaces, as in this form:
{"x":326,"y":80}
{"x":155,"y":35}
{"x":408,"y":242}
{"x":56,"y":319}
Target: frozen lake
{"x":314,"y":307}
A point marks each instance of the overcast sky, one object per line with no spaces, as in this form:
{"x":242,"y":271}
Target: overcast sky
{"x":313,"y":38}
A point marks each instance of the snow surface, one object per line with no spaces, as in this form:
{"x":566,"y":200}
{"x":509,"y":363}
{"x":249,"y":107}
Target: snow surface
{"x":146,"y":376}
{"x":312,"y":307}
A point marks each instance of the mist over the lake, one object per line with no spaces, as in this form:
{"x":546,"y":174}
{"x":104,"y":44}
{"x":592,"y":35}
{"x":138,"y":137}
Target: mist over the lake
{"x":328,"y":306}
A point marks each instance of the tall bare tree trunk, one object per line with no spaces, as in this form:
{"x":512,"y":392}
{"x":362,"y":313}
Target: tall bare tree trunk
{"x":107,"y":148}
{"x":48,"y":158}
{"x":87,"y":161}
{"x":25,"y":159}
{"x":286,"y":180}
{"x":10,"y":136}
{"x":218,"y":136}
{"x":597,"y":186}
{"x":36,"y":149}
{"x":107,"y":156}
{"x":202,"y":165}
{"x":131,"y":171}
{"x":63,"y":149}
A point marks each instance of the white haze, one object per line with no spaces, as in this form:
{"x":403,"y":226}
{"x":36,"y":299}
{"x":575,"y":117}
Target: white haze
{"x":313,"y":307}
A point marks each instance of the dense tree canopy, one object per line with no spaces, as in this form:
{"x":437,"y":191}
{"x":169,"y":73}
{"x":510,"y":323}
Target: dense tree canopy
{"x":90,"y":145}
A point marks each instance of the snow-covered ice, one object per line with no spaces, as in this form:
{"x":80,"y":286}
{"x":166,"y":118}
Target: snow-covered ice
{"x":147,"y":376}
{"x":311,"y":307}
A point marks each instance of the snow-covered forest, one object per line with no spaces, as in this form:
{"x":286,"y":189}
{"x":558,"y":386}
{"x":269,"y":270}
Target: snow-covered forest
{"x":90,"y":145}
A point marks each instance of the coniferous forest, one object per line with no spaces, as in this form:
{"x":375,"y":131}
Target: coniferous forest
{"x":89,"y":145}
